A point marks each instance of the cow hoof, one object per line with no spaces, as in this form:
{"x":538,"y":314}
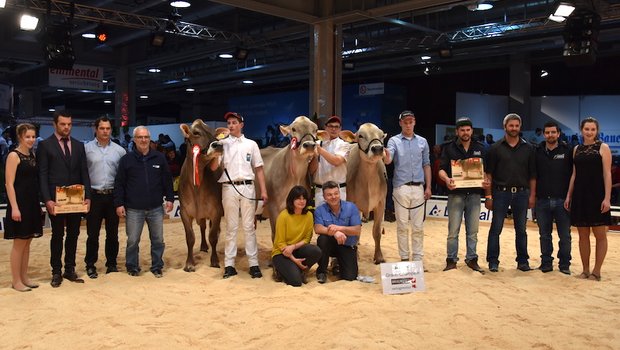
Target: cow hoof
{"x":204,"y":249}
{"x":379,"y":261}
{"x":216,"y":265}
{"x":189,"y":269}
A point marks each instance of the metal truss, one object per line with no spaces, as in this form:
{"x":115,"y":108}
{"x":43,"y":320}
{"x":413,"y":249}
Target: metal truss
{"x":123,"y":19}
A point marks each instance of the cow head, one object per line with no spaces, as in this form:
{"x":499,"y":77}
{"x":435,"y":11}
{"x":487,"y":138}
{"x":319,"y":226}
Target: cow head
{"x":369,"y":139}
{"x":203,"y":144}
{"x":303,"y":135}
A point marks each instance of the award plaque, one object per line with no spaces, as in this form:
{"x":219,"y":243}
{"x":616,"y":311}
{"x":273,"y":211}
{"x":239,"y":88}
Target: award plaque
{"x":467,"y":173}
{"x":70,"y":199}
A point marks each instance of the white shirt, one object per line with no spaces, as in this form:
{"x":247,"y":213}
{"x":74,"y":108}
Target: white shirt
{"x":102,"y":163}
{"x":240,"y":157}
{"x":326,"y":171}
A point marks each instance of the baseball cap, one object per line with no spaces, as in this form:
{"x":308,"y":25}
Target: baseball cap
{"x":464,"y":121}
{"x":334,"y":118}
{"x":405,"y":114}
{"x":233,"y":115}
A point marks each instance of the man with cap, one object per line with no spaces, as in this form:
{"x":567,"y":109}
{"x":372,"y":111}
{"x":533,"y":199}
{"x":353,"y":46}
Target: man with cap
{"x":331,"y":162}
{"x":411,"y":183}
{"x":462,"y":201}
{"x":242,"y":164}
{"x":511,"y":171}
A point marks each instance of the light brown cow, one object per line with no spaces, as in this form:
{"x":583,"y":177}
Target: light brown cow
{"x":288,"y":166}
{"x":367,"y":178}
{"x":200,"y":195}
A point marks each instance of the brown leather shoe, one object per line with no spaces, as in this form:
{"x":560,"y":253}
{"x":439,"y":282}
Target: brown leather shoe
{"x":450,"y":265}
{"x":473,"y":264}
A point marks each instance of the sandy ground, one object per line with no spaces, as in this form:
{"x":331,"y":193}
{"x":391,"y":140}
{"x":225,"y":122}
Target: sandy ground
{"x":461,"y":309}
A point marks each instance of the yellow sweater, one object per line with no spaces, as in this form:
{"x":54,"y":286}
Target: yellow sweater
{"x":291,"y":229}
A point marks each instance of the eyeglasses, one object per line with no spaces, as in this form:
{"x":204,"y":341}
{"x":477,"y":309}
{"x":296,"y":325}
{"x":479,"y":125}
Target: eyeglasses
{"x":142,"y":137}
{"x":332,"y":126}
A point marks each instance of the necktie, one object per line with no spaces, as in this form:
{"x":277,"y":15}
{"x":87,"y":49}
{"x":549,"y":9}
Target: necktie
{"x":65,"y":142}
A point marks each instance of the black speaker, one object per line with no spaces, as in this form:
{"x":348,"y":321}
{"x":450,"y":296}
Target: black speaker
{"x":58,"y":47}
{"x":581,"y":38}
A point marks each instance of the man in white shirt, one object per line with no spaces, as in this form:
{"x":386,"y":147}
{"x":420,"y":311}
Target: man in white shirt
{"x":242,"y":163}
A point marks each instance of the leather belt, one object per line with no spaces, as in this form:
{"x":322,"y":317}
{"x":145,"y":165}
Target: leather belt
{"x":412,"y":183}
{"x":512,"y":189}
{"x":342,"y":185}
{"x":106,"y":191}
{"x":237,"y":183}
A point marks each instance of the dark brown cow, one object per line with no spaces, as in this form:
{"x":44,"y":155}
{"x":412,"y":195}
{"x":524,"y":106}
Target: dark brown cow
{"x":288,"y":166}
{"x":367,"y":178}
{"x":200,"y":195}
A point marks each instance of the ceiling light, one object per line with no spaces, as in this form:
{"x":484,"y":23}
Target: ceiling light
{"x":190,"y":89}
{"x":28,"y":22}
{"x":180,"y":4}
{"x":564,"y":9}
{"x":558,"y":19}
{"x":104,"y":81}
{"x":154,"y":70}
{"x":60,"y":90}
{"x":484,"y":5}
{"x":225,"y":55}
{"x":247,"y":82}
{"x":52,"y":110}
{"x":543,"y":73}
{"x":89,"y":35}
{"x":107,"y":102}
{"x":425,"y":57}
{"x":144,"y":97}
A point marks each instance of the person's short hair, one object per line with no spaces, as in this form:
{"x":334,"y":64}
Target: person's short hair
{"x":551,"y":124}
{"x":61,"y":113}
{"x":140,"y":127}
{"x":23,"y":127}
{"x":294,"y":193}
{"x":102,"y":119}
{"x":511,"y":116}
{"x":330,"y":184}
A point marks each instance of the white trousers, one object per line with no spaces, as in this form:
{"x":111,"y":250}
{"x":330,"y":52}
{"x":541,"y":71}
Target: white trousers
{"x":407,"y":197}
{"x":318,"y":196}
{"x":234,"y":205}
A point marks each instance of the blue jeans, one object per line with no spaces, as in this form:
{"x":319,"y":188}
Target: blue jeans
{"x":548,"y":210}
{"x":518,"y":201}
{"x":134,"y":222}
{"x":459,"y":204}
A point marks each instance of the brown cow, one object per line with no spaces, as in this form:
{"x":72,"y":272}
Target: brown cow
{"x":200,"y":195}
{"x":288,"y":166}
{"x":367,"y":178}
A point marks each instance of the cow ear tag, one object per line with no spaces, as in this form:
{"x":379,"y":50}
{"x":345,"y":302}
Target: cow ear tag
{"x":196,"y":153}
{"x":294,"y":143}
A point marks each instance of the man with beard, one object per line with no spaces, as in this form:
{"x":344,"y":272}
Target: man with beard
{"x":511,"y":170}
{"x":556,"y":157}
{"x":462,"y":200}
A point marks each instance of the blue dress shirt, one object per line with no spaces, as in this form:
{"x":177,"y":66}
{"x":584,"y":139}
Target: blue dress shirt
{"x":349,"y":216}
{"x":410,"y":156}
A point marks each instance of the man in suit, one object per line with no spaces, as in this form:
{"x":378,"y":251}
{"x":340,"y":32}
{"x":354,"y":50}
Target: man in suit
{"x":62,"y":162}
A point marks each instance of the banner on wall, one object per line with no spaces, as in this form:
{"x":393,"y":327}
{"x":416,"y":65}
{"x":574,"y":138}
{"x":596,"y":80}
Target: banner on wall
{"x":80,"y":77}
{"x":371,"y":89}
{"x":612,"y":139}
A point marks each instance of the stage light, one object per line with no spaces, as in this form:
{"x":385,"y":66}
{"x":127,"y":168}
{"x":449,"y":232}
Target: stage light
{"x":180,"y":4}
{"x":564,"y":9}
{"x":28,"y":22}
{"x":89,"y":35}
{"x":427,"y":71}
{"x":2,"y":3}
{"x":101,"y":34}
{"x":558,"y":19}
{"x":544,"y":73}
{"x":581,"y":38}
{"x":58,"y":46}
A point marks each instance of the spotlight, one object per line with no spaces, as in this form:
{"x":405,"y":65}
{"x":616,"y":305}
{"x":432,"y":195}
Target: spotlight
{"x":241,"y":54}
{"x":28,"y":22}
{"x":2,"y":4}
{"x":101,"y":34}
{"x":581,"y":38}
{"x":58,"y":50}
{"x":427,"y":71}
{"x":564,"y":9}
{"x":543,"y":73}
{"x":158,"y":38}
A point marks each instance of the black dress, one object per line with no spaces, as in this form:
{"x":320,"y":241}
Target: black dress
{"x":589,"y":188}
{"x":27,"y":195}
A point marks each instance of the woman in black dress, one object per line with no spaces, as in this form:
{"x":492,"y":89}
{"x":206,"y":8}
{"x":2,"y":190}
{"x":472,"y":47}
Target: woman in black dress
{"x":23,"y":214}
{"x":589,"y":196}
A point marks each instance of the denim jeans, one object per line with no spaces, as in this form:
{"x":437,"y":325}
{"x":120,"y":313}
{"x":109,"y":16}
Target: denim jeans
{"x":469,"y":205}
{"x":548,"y":210}
{"x":134,"y":222}
{"x":518,"y":201}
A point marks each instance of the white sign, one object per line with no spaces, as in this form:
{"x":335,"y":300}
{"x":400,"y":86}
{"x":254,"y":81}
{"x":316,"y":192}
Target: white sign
{"x":438,"y":208}
{"x":402,"y":277}
{"x":372,"y":89}
{"x":80,"y":77}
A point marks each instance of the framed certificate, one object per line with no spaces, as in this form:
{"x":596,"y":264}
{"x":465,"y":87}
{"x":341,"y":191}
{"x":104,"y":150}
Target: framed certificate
{"x":467,"y":173}
{"x":70,"y":199}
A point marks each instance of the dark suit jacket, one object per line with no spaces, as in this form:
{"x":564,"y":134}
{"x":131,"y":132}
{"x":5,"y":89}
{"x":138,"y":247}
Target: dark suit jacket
{"x":55,"y":170}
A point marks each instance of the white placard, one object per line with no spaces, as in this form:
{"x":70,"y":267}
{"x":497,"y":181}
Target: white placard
{"x":80,"y":77}
{"x":402,"y":277}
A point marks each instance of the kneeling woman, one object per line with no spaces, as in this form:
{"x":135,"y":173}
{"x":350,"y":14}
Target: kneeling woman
{"x":292,"y":254}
